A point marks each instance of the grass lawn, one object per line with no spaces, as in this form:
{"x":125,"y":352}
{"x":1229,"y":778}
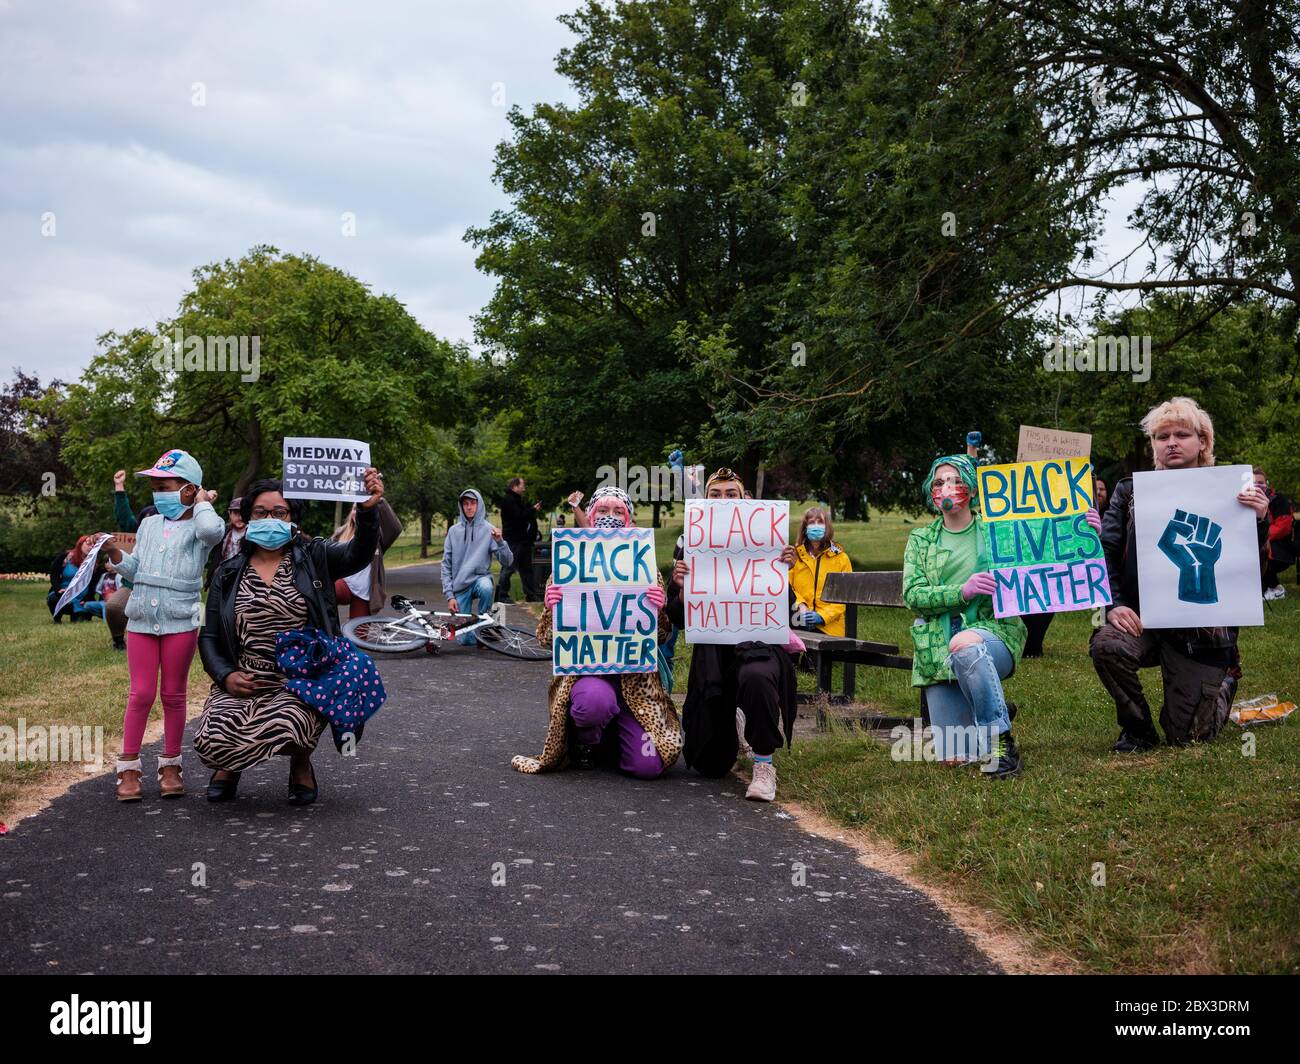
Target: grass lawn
{"x":1201,"y":845}
{"x":65,"y":674}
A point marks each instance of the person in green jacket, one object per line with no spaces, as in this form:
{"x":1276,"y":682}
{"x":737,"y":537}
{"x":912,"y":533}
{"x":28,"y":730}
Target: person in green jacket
{"x":961,"y":651}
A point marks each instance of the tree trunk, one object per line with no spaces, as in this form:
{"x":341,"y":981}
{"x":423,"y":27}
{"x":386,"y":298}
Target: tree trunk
{"x":426,"y":520}
{"x":253,"y":437}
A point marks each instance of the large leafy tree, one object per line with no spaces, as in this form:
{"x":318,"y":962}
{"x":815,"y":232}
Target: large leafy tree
{"x":912,"y":188}
{"x":647,"y":204}
{"x":335,"y":360}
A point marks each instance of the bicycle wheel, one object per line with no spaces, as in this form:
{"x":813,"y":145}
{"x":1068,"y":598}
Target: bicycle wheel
{"x":384,"y":635}
{"x":512,"y":642}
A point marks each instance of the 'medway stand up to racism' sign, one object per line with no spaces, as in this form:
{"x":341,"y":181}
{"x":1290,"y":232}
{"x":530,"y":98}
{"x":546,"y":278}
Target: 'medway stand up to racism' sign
{"x":1044,"y":556}
{"x":603,"y":625}
{"x":736,"y":589}
{"x":325,"y":469}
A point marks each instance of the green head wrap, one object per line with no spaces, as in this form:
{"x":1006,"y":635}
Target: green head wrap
{"x":965,"y":469}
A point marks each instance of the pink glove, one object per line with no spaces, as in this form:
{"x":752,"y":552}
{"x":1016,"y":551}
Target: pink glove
{"x":1094,"y":519}
{"x":978,"y":584}
{"x":553,"y":595}
{"x":655,"y":596}
{"x":796,"y":645}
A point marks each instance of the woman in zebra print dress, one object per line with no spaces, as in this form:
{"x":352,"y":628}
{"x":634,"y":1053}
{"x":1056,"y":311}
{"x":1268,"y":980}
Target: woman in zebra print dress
{"x":280,"y":581}
{"x":236,"y":733}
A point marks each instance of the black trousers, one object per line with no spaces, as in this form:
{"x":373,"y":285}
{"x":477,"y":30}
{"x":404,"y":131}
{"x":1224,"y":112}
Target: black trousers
{"x":523,"y":564}
{"x":714,"y":745}
{"x":1196,"y":702}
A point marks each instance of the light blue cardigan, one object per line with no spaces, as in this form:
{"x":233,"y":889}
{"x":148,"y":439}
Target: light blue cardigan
{"x":166,"y":572}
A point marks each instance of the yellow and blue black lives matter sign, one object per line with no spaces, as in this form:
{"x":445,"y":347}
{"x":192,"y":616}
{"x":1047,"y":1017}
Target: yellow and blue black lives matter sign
{"x":1043,"y":554}
{"x":603,"y":625}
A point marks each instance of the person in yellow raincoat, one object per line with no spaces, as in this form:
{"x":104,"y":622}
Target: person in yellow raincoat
{"x":816,"y":554}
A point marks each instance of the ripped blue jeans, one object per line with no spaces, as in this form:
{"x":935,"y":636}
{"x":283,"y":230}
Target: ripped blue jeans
{"x":968,"y":713}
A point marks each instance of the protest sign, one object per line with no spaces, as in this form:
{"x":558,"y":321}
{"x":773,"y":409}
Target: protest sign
{"x":1036,"y":443}
{"x":737,"y":590}
{"x":325,"y":468}
{"x":81,"y":578}
{"x":1197,"y":548}
{"x":1043,"y":554}
{"x":602,"y":625}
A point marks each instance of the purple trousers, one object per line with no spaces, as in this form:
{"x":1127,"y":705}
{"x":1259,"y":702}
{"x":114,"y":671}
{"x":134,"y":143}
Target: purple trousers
{"x":601,"y":718}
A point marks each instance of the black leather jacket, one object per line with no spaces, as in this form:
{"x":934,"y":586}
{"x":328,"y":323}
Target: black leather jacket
{"x":317,"y":563}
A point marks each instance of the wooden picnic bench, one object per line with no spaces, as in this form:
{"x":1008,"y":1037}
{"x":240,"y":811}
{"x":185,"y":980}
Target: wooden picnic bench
{"x":853,"y":590}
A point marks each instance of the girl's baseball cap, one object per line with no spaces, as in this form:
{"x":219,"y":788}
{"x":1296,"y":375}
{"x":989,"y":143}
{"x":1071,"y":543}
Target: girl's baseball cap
{"x":179,"y":464}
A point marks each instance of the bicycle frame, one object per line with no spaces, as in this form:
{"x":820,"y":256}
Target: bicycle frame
{"x":440,"y":632}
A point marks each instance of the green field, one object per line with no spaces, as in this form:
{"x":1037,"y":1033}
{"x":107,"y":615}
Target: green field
{"x":1200,"y":846}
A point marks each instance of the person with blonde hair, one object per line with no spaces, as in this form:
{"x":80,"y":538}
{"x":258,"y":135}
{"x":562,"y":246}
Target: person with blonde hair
{"x":1200,"y":666}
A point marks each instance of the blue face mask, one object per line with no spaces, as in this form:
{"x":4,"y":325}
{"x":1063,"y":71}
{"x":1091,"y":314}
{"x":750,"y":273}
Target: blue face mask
{"x":168,"y":503}
{"x":269,"y":532}
{"x":815,"y":532}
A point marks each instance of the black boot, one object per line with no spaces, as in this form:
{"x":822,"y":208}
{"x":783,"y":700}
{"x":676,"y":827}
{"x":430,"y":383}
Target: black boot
{"x":1003,"y":761}
{"x":1133,"y":744}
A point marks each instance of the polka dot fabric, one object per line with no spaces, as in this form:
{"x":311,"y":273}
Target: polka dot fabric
{"x":332,"y":676}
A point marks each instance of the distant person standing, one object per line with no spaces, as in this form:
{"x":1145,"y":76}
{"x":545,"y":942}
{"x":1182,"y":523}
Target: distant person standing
{"x":1277,"y":551}
{"x":519,"y":527}
{"x":127,"y":521}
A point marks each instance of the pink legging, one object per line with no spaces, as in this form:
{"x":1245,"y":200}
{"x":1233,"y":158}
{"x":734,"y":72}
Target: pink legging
{"x":145,"y":656}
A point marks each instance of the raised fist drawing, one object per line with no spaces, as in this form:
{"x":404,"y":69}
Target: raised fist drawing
{"x":1193,"y":544}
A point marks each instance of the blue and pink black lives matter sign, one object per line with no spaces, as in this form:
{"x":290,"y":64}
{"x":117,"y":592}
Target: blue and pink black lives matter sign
{"x":1043,"y":554}
{"x":602,"y":625}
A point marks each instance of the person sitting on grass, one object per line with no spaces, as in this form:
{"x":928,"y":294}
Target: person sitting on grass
{"x":1200,"y":666}
{"x":467,"y":552}
{"x":816,"y":555}
{"x":62,"y":570}
{"x":756,"y":677}
{"x":627,"y":722}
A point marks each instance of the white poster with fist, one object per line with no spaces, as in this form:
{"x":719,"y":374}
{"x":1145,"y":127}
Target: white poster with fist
{"x":1197,"y":548}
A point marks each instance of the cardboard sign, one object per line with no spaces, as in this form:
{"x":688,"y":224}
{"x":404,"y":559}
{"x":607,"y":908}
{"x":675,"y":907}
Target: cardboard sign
{"x":1036,"y":443}
{"x":737,"y":590}
{"x":602,"y":625}
{"x":324,"y":468}
{"x":81,"y":578}
{"x":1197,"y":548}
{"x":1043,"y":554}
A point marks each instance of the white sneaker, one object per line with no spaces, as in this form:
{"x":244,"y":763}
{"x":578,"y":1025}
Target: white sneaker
{"x":1275,"y":593}
{"x":763,"y":786}
{"x":745,"y":749}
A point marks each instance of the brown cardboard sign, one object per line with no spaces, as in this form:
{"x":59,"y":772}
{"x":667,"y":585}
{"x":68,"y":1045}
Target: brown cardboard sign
{"x":1038,"y":443}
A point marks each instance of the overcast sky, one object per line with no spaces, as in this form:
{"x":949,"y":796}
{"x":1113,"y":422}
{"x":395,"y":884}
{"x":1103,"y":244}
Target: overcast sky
{"x":384,"y":109}
{"x":310,"y":109}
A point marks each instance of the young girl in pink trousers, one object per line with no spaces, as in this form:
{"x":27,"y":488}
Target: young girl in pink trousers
{"x":163,"y":613}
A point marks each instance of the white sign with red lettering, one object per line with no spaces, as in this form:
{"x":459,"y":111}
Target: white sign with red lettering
{"x":737,"y":589}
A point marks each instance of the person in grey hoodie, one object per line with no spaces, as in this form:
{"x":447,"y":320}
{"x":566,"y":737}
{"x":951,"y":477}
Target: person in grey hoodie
{"x":467,"y":555}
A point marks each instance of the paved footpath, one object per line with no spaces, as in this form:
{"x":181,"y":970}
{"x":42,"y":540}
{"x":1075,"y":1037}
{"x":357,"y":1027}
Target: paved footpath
{"x":393,"y":869}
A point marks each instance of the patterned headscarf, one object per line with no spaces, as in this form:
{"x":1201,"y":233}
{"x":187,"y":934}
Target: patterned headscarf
{"x":610,"y":491}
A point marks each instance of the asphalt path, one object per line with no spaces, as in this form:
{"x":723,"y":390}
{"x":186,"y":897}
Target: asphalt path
{"x":426,"y":852}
